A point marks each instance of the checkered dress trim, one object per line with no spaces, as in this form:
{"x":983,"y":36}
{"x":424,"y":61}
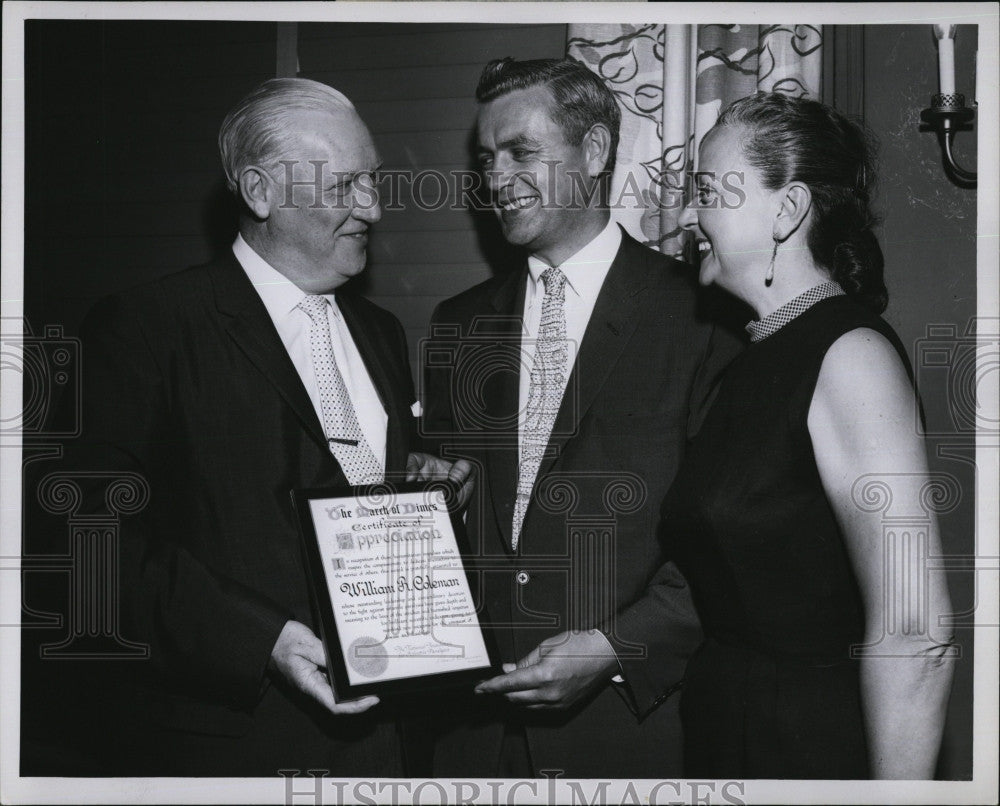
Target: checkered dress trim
{"x":774,"y":321}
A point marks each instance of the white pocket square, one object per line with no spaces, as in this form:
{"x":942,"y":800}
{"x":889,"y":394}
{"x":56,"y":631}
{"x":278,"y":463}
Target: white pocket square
{"x":416,"y":410}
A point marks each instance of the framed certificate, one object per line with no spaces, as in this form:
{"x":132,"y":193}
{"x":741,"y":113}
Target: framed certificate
{"x":396,"y":610}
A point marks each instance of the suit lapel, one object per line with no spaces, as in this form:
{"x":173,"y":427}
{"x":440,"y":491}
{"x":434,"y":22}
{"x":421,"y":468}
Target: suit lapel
{"x":377,"y":360}
{"x":251,"y":328}
{"x":502,"y":403}
{"x":612,"y":323}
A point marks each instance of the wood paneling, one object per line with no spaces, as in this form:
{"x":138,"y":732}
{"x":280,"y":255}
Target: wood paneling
{"x":844,"y":69}
{"x":407,"y":46}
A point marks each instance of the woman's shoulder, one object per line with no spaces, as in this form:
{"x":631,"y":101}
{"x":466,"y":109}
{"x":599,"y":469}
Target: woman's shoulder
{"x":864,"y":416}
{"x":840,"y":357}
{"x":836,"y":318}
{"x":862,"y":350}
{"x":863,"y":369}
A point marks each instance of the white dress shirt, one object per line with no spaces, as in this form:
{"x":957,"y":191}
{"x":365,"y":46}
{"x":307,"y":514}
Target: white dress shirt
{"x":585,"y":273}
{"x":281,"y":298}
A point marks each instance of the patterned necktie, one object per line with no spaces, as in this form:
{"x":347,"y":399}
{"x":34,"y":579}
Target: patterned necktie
{"x":347,"y":442}
{"x":548,"y":380}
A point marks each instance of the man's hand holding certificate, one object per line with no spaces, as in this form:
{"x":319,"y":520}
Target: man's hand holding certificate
{"x":427,"y":467}
{"x":299,"y":657}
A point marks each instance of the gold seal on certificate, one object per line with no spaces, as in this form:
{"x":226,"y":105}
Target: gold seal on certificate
{"x":396,"y":609}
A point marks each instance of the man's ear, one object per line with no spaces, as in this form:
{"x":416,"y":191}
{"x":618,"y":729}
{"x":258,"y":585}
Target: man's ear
{"x":795,"y":204}
{"x":597,"y":147}
{"x":257,"y":191}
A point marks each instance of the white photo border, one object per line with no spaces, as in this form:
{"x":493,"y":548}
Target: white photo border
{"x":981,"y":789}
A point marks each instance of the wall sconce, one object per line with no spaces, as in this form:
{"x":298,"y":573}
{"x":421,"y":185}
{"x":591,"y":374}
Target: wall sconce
{"x":948,"y":113}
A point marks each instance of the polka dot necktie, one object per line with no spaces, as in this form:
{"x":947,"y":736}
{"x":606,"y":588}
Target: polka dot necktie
{"x":548,"y":380}
{"x":343,"y":432}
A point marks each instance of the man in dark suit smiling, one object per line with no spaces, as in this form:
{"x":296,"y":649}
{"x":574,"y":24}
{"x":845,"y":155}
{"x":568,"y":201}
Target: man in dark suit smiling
{"x":577,"y":441}
{"x":225,"y":386}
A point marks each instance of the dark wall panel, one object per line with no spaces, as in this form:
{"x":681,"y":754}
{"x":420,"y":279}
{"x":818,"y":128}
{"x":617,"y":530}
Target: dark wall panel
{"x":122,"y":178}
{"x":122,"y":185}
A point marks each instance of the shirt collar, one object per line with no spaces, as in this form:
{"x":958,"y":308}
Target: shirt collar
{"x":279,"y":294}
{"x":760,"y":329}
{"x":585,"y":271}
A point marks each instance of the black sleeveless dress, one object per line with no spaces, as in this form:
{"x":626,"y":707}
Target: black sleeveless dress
{"x":772,"y":692}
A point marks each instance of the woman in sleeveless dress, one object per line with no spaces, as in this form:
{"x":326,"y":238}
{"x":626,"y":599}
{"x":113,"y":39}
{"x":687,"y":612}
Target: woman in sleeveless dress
{"x":822,"y":657}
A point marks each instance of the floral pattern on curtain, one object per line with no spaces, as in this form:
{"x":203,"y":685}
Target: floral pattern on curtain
{"x":672,"y":81}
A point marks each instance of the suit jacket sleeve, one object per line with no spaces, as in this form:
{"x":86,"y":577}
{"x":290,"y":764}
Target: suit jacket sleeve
{"x":205,"y":631}
{"x":664,"y":618}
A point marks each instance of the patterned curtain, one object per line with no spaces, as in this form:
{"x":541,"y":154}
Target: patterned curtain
{"x":672,"y":81}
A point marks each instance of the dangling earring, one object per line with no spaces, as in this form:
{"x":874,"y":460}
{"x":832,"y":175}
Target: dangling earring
{"x":769,"y":277}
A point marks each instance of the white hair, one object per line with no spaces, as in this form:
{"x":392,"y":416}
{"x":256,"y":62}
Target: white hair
{"x":256,"y":130}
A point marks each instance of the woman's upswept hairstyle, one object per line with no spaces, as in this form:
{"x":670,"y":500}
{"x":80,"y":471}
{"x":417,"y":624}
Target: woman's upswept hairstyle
{"x":797,"y":139}
{"x":256,"y":130}
{"x":581,"y":98}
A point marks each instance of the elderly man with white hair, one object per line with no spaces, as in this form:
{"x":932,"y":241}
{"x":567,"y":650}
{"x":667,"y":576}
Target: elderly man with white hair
{"x":225,"y":386}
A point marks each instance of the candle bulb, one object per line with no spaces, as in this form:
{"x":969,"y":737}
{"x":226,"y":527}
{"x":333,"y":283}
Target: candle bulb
{"x":946,"y":66}
{"x":946,"y":58}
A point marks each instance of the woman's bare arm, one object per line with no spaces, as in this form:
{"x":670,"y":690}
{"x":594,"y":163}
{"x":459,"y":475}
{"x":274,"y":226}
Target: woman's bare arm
{"x":862,"y":423}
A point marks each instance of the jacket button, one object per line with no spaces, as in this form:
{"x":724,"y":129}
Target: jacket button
{"x":522,"y":577}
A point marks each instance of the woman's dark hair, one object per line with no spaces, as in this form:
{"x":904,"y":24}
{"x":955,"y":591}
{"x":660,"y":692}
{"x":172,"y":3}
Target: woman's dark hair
{"x":581,"y":98}
{"x":795,"y":139}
